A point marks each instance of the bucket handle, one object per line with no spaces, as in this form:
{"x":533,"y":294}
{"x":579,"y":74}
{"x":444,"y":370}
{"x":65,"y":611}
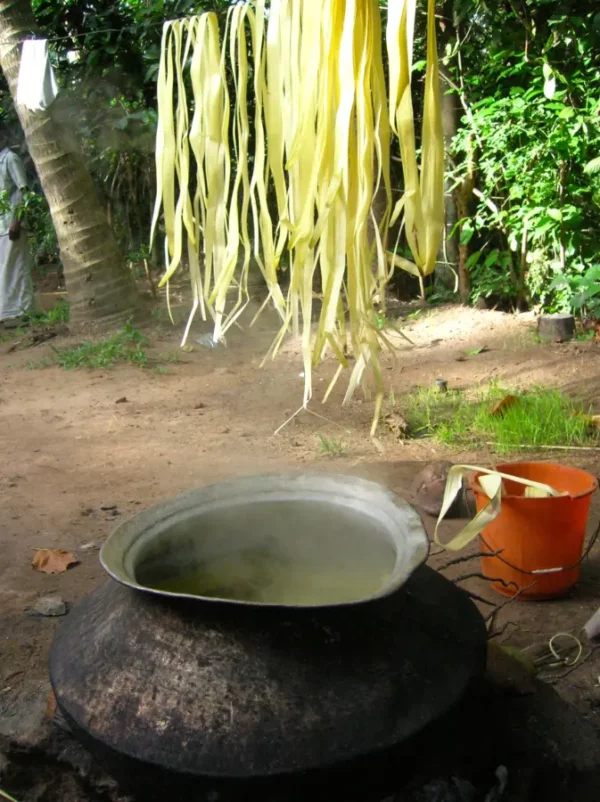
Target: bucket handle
{"x":491,"y":482}
{"x":538,"y":571}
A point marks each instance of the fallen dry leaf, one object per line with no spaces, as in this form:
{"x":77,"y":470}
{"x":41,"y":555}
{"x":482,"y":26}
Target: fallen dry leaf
{"x":500,"y":407}
{"x":508,"y":672}
{"x":398,"y":425}
{"x":50,"y":705}
{"x":591,"y":421}
{"x":53,"y":561}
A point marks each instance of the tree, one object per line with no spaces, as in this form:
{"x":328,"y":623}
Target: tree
{"x":528,"y":78}
{"x":101,"y":289}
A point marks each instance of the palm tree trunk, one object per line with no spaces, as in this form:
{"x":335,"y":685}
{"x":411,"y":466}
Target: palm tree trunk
{"x":100,"y":288}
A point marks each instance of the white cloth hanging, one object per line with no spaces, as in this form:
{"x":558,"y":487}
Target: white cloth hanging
{"x":37,"y":87}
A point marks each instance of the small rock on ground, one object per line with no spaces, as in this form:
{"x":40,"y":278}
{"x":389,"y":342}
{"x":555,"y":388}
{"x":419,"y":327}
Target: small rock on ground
{"x":428,"y":492}
{"x":50,"y":606}
{"x":90,"y":547}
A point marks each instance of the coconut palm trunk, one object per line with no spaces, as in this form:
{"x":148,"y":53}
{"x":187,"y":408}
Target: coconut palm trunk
{"x":100,"y":288}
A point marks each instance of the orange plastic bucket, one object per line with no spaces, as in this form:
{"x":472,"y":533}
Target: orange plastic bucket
{"x":536,"y":534}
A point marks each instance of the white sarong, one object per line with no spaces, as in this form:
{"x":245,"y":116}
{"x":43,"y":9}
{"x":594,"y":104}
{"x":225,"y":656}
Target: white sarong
{"x":16,"y":291}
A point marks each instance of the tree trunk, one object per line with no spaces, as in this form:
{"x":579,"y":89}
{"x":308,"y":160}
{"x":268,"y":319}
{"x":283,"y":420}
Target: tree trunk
{"x":462,"y":196}
{"x":101,"y":290}
{"x":448,"y":255}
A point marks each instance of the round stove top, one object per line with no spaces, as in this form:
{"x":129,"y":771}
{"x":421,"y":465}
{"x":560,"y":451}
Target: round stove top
{"x":216,"y":691}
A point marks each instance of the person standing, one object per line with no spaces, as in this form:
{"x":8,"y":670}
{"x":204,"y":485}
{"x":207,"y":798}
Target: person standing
{"x":16,"y":290}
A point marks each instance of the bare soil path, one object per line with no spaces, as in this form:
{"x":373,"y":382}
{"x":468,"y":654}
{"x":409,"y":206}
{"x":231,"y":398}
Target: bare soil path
{"x":69,"y":449}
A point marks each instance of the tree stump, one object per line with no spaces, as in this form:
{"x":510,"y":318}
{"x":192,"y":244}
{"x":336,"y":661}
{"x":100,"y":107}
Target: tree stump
{"x":556,"y":328}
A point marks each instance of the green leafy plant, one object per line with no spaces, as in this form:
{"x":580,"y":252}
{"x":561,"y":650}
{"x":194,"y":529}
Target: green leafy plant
{"x":331,"y":446}
{"x":35,"y":213}
{"x":527,"y":150}
{"x":583,"y":290}
{"x":585,"y":336}
{"x":55,"y":316}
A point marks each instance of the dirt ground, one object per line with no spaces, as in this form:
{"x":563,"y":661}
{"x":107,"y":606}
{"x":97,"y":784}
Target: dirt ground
{"x":70,"y":449}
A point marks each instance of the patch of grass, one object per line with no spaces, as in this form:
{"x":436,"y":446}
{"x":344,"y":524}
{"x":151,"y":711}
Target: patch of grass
{"x":58,"y":314}
{"x":428,"y":411}
{"x":172,"y":357}
{"x":161,"y":370}
{"x":331,"y":446}
{"x":124,"y":346}
{"x":541,"y":417}
{"x":584,"y":336}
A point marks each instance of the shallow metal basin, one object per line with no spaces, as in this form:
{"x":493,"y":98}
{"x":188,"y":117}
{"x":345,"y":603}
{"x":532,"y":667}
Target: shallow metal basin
{"x":284,"y":540}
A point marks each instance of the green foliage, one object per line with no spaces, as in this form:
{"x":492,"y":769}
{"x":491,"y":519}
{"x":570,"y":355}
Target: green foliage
{"x":541,"y":417}
{"x":55,"y":316}
{"x":528,"y":74}
{"x":531,"y":82}
{"x":430,"y":413}
{"x":583,"y":289}
{"x":331,"y":446}
{"x":35,"y":214}
{"x":586,"y":335}
{"x":124,"y":346}
{"x":40,"y":229}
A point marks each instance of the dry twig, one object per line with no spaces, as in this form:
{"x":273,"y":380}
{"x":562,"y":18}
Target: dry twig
{"x":477,"y":575}
{"x":476,"y":556}
{"x":501,"y":631}
{"x":480,"y":599}
{"x":491,"y":617}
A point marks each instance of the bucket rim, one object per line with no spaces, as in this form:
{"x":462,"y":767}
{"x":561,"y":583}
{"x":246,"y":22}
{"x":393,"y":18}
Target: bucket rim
{"x":506,"y":466}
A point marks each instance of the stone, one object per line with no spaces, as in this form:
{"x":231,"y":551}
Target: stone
{"x":428,"y":492}
{"x":50,"y":606}
{"x":556,"y":328}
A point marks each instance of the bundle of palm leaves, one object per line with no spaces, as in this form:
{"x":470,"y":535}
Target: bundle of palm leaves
{"x":289,"y":99}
